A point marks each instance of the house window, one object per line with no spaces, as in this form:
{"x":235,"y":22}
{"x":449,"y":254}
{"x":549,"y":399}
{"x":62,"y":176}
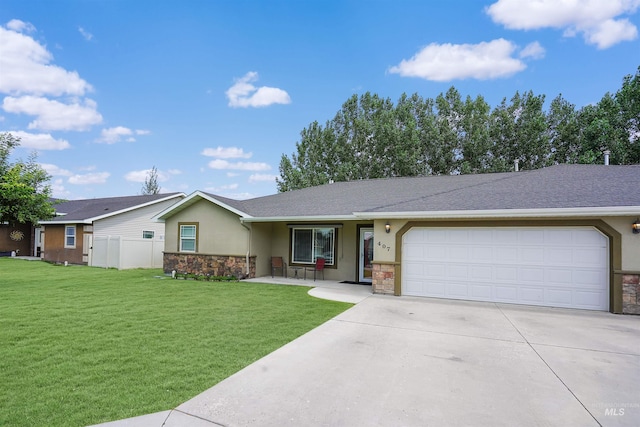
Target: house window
{"x":147,"y":234}
{"x":70,"y":236}
{"x":308,"y":244}
{"x":188,"y":238}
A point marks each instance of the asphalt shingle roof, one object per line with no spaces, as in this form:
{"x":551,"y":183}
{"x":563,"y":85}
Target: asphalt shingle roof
{"x":81,"y":210}
{"x":561,"y":186}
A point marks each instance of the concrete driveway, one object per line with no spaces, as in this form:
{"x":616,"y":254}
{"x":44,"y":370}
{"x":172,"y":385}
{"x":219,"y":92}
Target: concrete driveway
{"x":405,"y":361}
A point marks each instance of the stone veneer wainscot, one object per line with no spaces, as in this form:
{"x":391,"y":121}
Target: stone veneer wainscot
{"x":631,"y":293}
{"x":214,"y":265}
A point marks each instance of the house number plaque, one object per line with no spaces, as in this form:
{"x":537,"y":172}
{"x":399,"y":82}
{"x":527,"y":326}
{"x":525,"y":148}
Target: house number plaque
{"x":384,"y":246}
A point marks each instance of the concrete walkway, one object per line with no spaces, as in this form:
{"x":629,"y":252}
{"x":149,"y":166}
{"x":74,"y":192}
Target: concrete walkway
{"x":405,"y":361}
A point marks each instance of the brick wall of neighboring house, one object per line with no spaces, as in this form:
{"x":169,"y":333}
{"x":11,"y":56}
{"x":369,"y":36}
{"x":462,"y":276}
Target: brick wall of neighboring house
{"x":214,"y":265}
{"x":631,"y":293}
{"x":384,"y":276}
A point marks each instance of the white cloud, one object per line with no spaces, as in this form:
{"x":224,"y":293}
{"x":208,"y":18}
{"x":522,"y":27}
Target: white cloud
{"x":87,"y":35}
{"x":174,"y":171}
{"x":232,"y":174}
{"x":221,"y":188}
{"x":40,"y":141}
{"x":245,"y":166}
{"x":533,"y":50}
{"x":597,"y":20}
{"x":26,"y":66}
{"x":444,"y":62}
{"x":226,"y":153}
{"x":89,"y":178}
{"x":120,"y":133}
{"x":58,"y":189}
{"x":54,"y":115}
{"x":55,"y":170}
{"x":262,"y":177}
{"x":244,"y":94}
{"x":20,"y":26}
{"x":141,"y":176}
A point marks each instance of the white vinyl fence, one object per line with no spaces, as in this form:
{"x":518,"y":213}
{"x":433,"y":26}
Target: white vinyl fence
{"x":125,"y":252}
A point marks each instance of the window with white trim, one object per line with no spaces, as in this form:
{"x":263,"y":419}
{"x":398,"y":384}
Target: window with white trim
{"x":310,"y":243}
{"x":188,"y":238}
{"x":70,"y":236}
{"x":147,"y":234}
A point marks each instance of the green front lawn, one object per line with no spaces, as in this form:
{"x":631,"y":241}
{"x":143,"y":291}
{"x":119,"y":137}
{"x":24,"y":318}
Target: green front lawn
{"x":82,"y":345}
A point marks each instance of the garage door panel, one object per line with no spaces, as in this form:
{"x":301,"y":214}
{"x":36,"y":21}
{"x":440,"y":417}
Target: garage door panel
{"x":481,"y":253}
{"x":559,"y":276}
{"x":506,"y":254}
{"x":559,"y":297}
{"x":586,"y":299}
{"x":530,"y":295}
{"x":458,"y":271}
{"x":588,"y":257}
{"x":531,"y":255}
{"x":459,"y":252}
{"x":535,"y":275}
{"x":558,"y":256}
{"x":531,"y":236}
{"x":460,"y":290}
{"x":506,"y":273}
{"x":481,"y":292}
{"x":481,"y":272}
{"x":553,"y":266}
{"x":506,"y":293}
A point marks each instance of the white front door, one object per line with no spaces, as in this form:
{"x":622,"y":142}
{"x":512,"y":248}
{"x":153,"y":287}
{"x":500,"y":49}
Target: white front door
{"x":37,"y":241}
{"x":87,"y":248}
{"x":365,"y":264}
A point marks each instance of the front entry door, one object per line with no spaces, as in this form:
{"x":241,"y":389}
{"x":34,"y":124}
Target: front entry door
{"x":365,"y":265}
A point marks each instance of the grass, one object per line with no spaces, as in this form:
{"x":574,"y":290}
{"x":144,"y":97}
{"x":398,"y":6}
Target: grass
{"x":82,"y":345}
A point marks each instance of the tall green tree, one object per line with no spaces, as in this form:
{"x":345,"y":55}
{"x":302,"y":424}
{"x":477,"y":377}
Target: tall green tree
{"x":369,"y":137}
{"x":24,"y":190}
{"x":151,"y":185}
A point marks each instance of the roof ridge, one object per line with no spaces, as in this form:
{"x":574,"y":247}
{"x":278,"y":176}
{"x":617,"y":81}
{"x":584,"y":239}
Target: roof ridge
{"x":504,"y":177}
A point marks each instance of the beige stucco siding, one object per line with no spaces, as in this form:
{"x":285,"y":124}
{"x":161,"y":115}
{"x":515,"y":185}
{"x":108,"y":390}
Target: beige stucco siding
{"x":219,"y":231}
{"x":261,"y":242}
{"x":630,"y":242}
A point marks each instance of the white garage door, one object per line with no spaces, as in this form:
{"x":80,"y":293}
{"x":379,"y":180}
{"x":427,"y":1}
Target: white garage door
{"x":557,"y":267}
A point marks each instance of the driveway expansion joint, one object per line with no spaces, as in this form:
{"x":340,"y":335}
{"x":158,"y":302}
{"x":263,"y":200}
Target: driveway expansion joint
{"x":548,"y":366}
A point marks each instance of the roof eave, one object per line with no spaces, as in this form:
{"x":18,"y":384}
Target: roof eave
{"x":506,"y":213}
{"x":70,"y":221}
{"x":313,"y":218}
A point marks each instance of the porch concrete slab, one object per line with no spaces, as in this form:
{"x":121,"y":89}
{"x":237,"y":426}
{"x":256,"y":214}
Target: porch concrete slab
{"x":343,"y":292}
{"x":593,"y":330}
{"x":324,"y":289}
{"x":348,"y":373}
{"x":464,"y":318}
{"x":606,"y":383}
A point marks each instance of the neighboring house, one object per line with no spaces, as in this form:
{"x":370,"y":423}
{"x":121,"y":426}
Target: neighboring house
{"x":109,"y":232}
{"x":560,"y":236}
{"x":19,"y":240}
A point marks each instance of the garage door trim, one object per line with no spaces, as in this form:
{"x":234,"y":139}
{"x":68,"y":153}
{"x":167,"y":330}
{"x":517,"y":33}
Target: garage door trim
{"x":615,"y":245}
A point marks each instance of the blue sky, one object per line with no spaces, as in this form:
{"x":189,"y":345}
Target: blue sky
{"x":213,"y":93}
